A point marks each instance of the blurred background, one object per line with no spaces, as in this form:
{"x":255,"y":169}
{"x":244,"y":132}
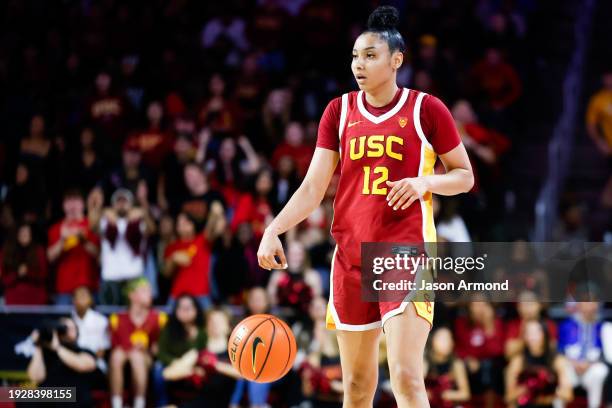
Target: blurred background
{"x":145,"y":146}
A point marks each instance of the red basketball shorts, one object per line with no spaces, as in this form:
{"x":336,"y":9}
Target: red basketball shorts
{"x":347,"y":311}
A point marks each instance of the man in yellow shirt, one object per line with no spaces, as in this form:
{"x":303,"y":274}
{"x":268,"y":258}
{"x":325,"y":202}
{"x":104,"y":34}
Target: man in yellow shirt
{"x":599,"y":127}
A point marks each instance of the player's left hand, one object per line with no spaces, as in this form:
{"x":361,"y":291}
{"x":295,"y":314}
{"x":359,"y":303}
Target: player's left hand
{"x":405,"y":191}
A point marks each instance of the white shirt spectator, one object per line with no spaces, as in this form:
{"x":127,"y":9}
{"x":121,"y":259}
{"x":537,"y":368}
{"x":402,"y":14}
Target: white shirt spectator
{"x":119,"y":262}
{"x":453,"y":230}
{"x":93,"y":334}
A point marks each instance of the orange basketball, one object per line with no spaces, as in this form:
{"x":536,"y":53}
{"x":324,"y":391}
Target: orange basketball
{"x":262,"y":348}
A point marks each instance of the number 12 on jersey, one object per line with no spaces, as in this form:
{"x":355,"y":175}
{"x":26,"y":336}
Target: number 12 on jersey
{"x":376,"y":189}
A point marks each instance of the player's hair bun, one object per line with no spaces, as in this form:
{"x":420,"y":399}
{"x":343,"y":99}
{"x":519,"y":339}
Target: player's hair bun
{"x":383,"y":18}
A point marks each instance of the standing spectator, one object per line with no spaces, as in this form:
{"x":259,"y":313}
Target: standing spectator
{"x":59,"y":362}
{"x":74,"y":249}
{"x":134,"y":336}
{"x":184,"y":333}
{"x":19,"y":196}
{"x":446,"y":376}
{"x":132,"y":173}
{"x":537,"y":375}
{"x":153,"y":142}
{"x":200,"y":195}
{"x":480,"y":342}
{"x":92,"y":328}
{"x":107,"y":111}
{"x":276,"y":114}
{"x":219,"y":113}
{"x":255,"y":206}
{"x":171,"y":187}
{"x":229,"y":169}
{"x":86,"y":168}
{"x":580,"y":342}
{"x":123,"y":230}
{"x":24,"y":269}
{"x":188,"y":258}
{"x":529,"y":308}
{"x":599,"y":127}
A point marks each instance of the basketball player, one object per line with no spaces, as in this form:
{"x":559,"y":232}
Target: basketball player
{"x":387,"y":140}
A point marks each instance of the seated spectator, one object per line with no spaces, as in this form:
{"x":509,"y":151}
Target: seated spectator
{"x":86,"y":167}
{"x":294,"y":147}
{"x":495,"y":81}
{"x":134,"y":336}
{"x":73,"y":249}
{"x":218,"y":376}
{"x":599,"y":128}
{"x":537,"y":375}
{"x":183,"y":333}
{"x":529,"y":308}
{"x":296,"y":286}
{"x":20,"y":193}
{"x":171,"y":186}
{"x":93,"y":331}
{"x":446,"y":377}
{"x":187,"y":260}
{"x":256,"y":303}
{"x":580,"y":343}
{"x":59,"y":362}
{"x":480,"y":343}
{"x":124,"y":230}
{"x":23,"y":269}
{"x":321,"y":372}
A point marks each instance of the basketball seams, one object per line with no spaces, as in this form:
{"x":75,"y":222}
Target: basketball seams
{"x":282,"y":325}
{"x":244,"y":343}
{"x":263,"y":365}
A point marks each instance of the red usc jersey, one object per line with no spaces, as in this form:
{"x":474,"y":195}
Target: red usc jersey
{"x":402,"y":139}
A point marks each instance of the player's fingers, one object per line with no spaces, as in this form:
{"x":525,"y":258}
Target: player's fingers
{"x":283,"y":260}
{"x":268,"y":262}
{"x":412,"y":199}
{"x":400,"y":189}
{"x":394,"y":187}
{"x":263,"y":261}
{"x":401,"y":200}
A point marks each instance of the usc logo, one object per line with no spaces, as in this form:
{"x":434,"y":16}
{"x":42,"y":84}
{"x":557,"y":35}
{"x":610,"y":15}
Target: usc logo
{"x":375,"y":146}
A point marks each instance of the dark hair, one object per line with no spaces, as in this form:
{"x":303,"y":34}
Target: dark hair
{"x":384,"y":21}
{"x":549,"y":352}
{"x":175,"y":327}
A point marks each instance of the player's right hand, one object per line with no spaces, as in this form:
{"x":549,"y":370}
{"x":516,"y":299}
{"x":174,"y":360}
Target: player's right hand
{"x":271,"y":245}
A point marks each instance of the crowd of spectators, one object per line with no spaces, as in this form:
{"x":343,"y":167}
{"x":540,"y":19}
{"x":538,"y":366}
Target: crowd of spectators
{"x":146,"y":146}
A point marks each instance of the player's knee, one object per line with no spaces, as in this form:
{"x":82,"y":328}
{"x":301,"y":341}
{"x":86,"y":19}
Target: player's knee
{"x":117,"y":358}
{"x":406,"y":381}
{"x":359,"y":386}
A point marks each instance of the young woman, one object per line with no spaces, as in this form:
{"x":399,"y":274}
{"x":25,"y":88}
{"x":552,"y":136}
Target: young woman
{"x":383,"y":195}
{"x":539,"y":375}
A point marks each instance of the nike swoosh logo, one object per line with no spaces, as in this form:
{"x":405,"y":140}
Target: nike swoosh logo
{"x":256,"y":343}
{"x":353,"y":123}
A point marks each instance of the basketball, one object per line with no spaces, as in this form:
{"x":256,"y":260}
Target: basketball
{"x":262,"y":348}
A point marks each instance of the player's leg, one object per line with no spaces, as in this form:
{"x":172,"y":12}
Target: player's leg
{"x":406,"y":334}
{"x":359,"y":359}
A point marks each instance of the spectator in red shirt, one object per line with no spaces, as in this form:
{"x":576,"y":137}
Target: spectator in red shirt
{"x":188,"y":258}
{"x":73,"y":249}
{"x":154,"y":143}
{"x":134,"y":336}
{"x":480,"y":342}
{"x":496,"y":81}
{"x":255,"y":208}
{"x":23,"y":269}
{"x":294,"y":147}
{"x":221,"y":114}
{"x":529,"y":308}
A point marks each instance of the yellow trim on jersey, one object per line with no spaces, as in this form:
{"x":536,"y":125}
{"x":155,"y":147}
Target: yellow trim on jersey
{"x":428,"y":169}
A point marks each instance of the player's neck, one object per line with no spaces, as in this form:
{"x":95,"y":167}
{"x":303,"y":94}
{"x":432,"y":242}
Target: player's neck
{"x":381,"y":96}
